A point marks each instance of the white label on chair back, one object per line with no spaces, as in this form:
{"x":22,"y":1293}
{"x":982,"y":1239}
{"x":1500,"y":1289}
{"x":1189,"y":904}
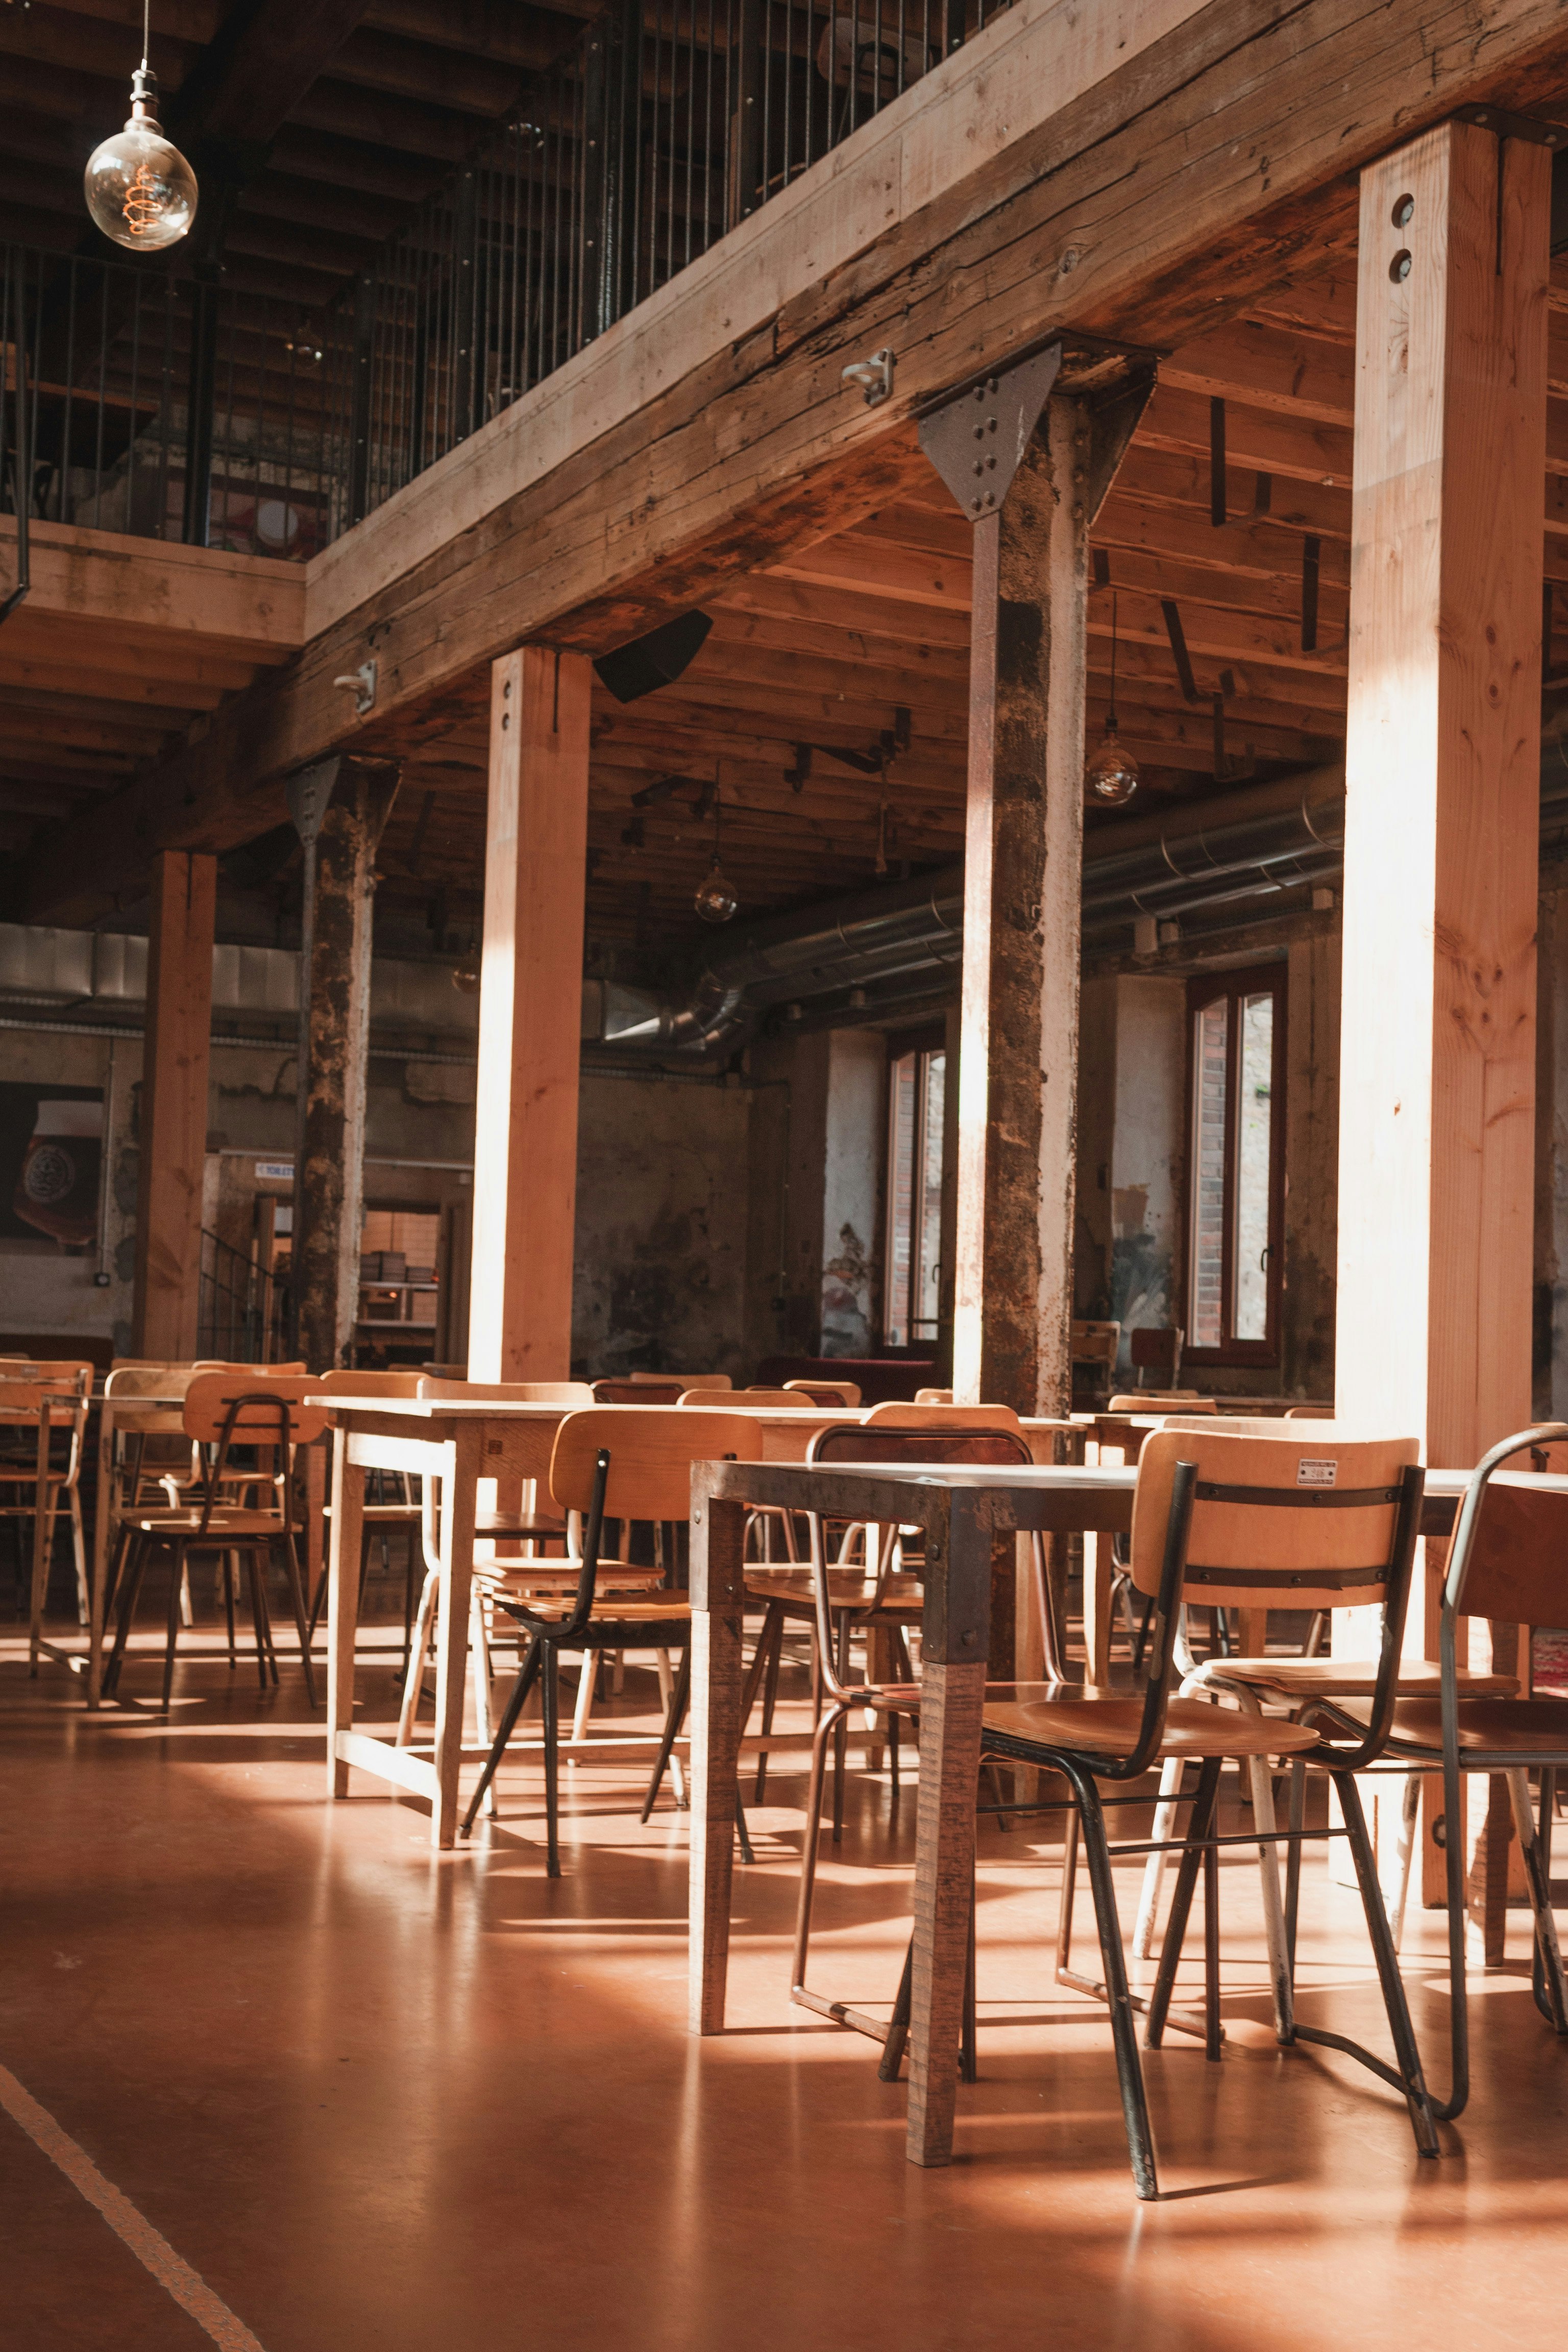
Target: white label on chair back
{"x":1310,"y":1472}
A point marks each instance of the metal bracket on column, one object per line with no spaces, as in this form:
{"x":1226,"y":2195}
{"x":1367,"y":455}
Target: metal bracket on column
{"x":977,"y":440}
{"x":309,"y":790}
{"x":1114,"y":416}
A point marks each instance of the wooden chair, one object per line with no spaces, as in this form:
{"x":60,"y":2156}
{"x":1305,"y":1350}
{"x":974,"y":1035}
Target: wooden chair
{"x":1156,"y":1350}
{"x":1507,"y":1561}
{"x":50,"y":1401}
{"x":829,"y":1393}
{"x":1254,"y":1680}
{"x":628,"y":1463}
{"x":934,"y":1396}
{"x":1099,"y":1344}
{"x":252,"y":1408}
{"x":757,"y":1400}
{"x":1162,"y":1401}
{"x":640,"y":1390}
{"x":1216,"y":1513}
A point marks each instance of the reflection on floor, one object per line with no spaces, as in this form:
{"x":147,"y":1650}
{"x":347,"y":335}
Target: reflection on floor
{"x":383,"y":2101}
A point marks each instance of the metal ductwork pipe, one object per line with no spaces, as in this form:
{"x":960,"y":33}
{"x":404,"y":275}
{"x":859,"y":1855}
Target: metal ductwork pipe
{"x":898,"y":943}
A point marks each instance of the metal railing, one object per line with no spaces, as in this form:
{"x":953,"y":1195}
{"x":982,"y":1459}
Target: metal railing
{"x":242,"y":1312}
{"x":170,"y":407}
{"x":167,"y":408}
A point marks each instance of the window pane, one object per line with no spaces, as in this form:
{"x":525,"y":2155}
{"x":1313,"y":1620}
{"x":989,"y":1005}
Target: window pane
{"x":905,"y":1077}
{"x":927,"y":1269}
{"x":1207,"y":1274}
{"x":1254,"y":1118}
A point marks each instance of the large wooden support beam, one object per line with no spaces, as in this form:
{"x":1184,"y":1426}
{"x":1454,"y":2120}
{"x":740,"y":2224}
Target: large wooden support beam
{"x":329,"y":1195}
{"x":173,"y":1135}
{"x":530,"y":1010}
{"x":1023,"y":884}
{"x":1442,"y":756}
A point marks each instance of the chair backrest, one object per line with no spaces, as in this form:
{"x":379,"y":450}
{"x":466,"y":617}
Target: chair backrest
{"x":67,"y":1376}
{"x":651,"y":1452}
{"x":567,"y":1392}
{"x":1309,"y":1412}
{"x":148,"y":1380}
{"x":1154,"y":1401}
{"x":639,"y":1391}
{"x":942,"y":1416}
{"x":998,"y":1441}
{"x":217,"y":1364}
{"x":344,"y":1382}
{"x":1155,"y":1348}
{"x":1095,"y":1343}
{"x":1510,"y":1556}
{"x":760,"y":1400}
{"x":690,"y":1379}
{"x":844,"y":1392}
{"x":68,"y":1405}
{"x":1283,"y":1521}
{"x":270,"y":1411}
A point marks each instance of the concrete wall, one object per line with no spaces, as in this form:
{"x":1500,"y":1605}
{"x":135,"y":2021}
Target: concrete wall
{"x":1312,"y":1166}
{"x":46,"y":1291}
{"x":855,"y":1149}
{"x":1131,"y":1092}
{"x":662,"y":1226}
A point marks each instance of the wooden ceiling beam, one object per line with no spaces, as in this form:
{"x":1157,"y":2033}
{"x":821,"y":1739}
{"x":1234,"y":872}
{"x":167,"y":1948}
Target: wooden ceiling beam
{"x":505,"y":34}
{"x":1254,"y":366}
{"x":321,"y":156}
{"x":438,"y":76}
{"x":381,"y":121}
{"x":772,"y":597}
{"x":261,"y":62}
{"x":1178,"y":481}
{"x":1257,"y":440}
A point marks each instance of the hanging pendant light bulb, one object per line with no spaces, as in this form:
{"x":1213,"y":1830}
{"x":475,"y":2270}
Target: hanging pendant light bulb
{"x":140,"y":189}
{"x":715,"y":900}
{"x":1111,"y":777}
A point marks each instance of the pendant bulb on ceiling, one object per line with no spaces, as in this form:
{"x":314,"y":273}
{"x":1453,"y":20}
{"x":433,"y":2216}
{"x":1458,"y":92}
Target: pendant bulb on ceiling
{"x":140,"y":189}
{"x":1111,"y":775}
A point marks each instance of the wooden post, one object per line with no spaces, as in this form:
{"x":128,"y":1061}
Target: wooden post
{"x":172,"y":1127}
{"x":329,"y":1191}
{"x":1022,"y":885}
{"x":531,"y":998}
{"x":1443,"y":762}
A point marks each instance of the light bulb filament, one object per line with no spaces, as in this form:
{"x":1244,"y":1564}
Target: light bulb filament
{"x":144,"y":200}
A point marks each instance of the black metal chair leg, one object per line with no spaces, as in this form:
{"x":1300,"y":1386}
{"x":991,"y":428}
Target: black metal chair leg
{"x":297,"y":1594}
{"x":550,"y":1674}
{"x":1546,"y":1981}
{"x":1211,"y":2037}
{"x":131,"y":1585}
{"x":261,"y":1624}
{"x":1200,"y":1824}
{"x":1297,"y":1822}
{"x":1130,"y":2071}
{"x":773,"y":1633}
{"x":1404,"y":2046}
{"x":674,"y":1714}
{"x":528,"y":1675}
{"x":176,"y":1578}
{"x":226,"y":1578}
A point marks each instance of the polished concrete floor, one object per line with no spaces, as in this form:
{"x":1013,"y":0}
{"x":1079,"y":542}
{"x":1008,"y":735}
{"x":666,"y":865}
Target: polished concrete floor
{"x":385,"y":2103}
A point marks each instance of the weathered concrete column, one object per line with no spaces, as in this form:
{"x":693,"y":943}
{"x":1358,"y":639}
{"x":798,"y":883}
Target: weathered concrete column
{"x":329,"y":1189}
{"x":172,"y":1127}
{"x":1443,"y":776}
{"x":531,"y":1016}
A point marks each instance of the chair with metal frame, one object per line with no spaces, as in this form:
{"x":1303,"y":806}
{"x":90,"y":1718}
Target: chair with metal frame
{"x":626,"y":1462}
{"x":1286,"y":1683}
{"x":1248,"y":1518}
{"x":1507,"y":1561}
{"x":1097,"y":1343}
{"x":252,"y":1408}
{"x":1156,"y":1349}
{"x":47,"y":1400}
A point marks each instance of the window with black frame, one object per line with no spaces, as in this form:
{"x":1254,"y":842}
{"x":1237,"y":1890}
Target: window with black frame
{"x":1236,"y":1165}
{"x":917,"y":1078}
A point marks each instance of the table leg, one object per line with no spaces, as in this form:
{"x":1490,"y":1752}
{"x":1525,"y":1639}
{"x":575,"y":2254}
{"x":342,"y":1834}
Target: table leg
{"x":718,"y":1607}
{"x":104,"y":1515}
{"x":459,"y":1482}
{"x":952,"y":1700}
{"x":43,"y":1527}
{"x":343,"y":1606}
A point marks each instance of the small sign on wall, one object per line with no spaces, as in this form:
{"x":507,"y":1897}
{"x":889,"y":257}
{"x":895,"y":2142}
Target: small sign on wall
{"x":274,"y":1172}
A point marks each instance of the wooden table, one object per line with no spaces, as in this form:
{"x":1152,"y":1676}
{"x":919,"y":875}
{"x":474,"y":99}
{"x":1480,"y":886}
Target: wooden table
{"x":965,"y":1513}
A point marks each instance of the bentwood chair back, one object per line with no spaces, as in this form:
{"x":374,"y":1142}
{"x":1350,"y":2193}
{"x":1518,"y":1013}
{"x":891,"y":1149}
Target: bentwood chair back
{"x":830,"y":1392}
{"x":934,"y":1396}
{"x":896,"y":1414}
{"x":344,"y":1382}
{"x":651,"y":1452}
{"x":1162,"y":1401}
{"x":1156,"y":1350}
{"x":752,"y":1399}
{"x":68,"y":1376}
{"x":639,"y":1391}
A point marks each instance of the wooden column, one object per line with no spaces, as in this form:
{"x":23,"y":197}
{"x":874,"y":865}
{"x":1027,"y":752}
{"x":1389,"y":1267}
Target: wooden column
{"x":1443,"y":756}
{"x":1022,"y":885}
{"x":328,"y":1192}
{"x":172,"y":1127}
{"x":531,"y":995}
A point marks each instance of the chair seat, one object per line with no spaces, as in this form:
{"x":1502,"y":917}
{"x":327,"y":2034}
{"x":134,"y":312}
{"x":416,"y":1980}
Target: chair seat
{"x":846,"y":1588}
{"x":1109,"y":1727}
{"x":225,"y":1525}
{"x":515,"y":1576}
{"x":1305,"y":1678}
{"x":661,"y":1609}
{"x":1520,"y":1726}
{"x":518,"y":1523}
